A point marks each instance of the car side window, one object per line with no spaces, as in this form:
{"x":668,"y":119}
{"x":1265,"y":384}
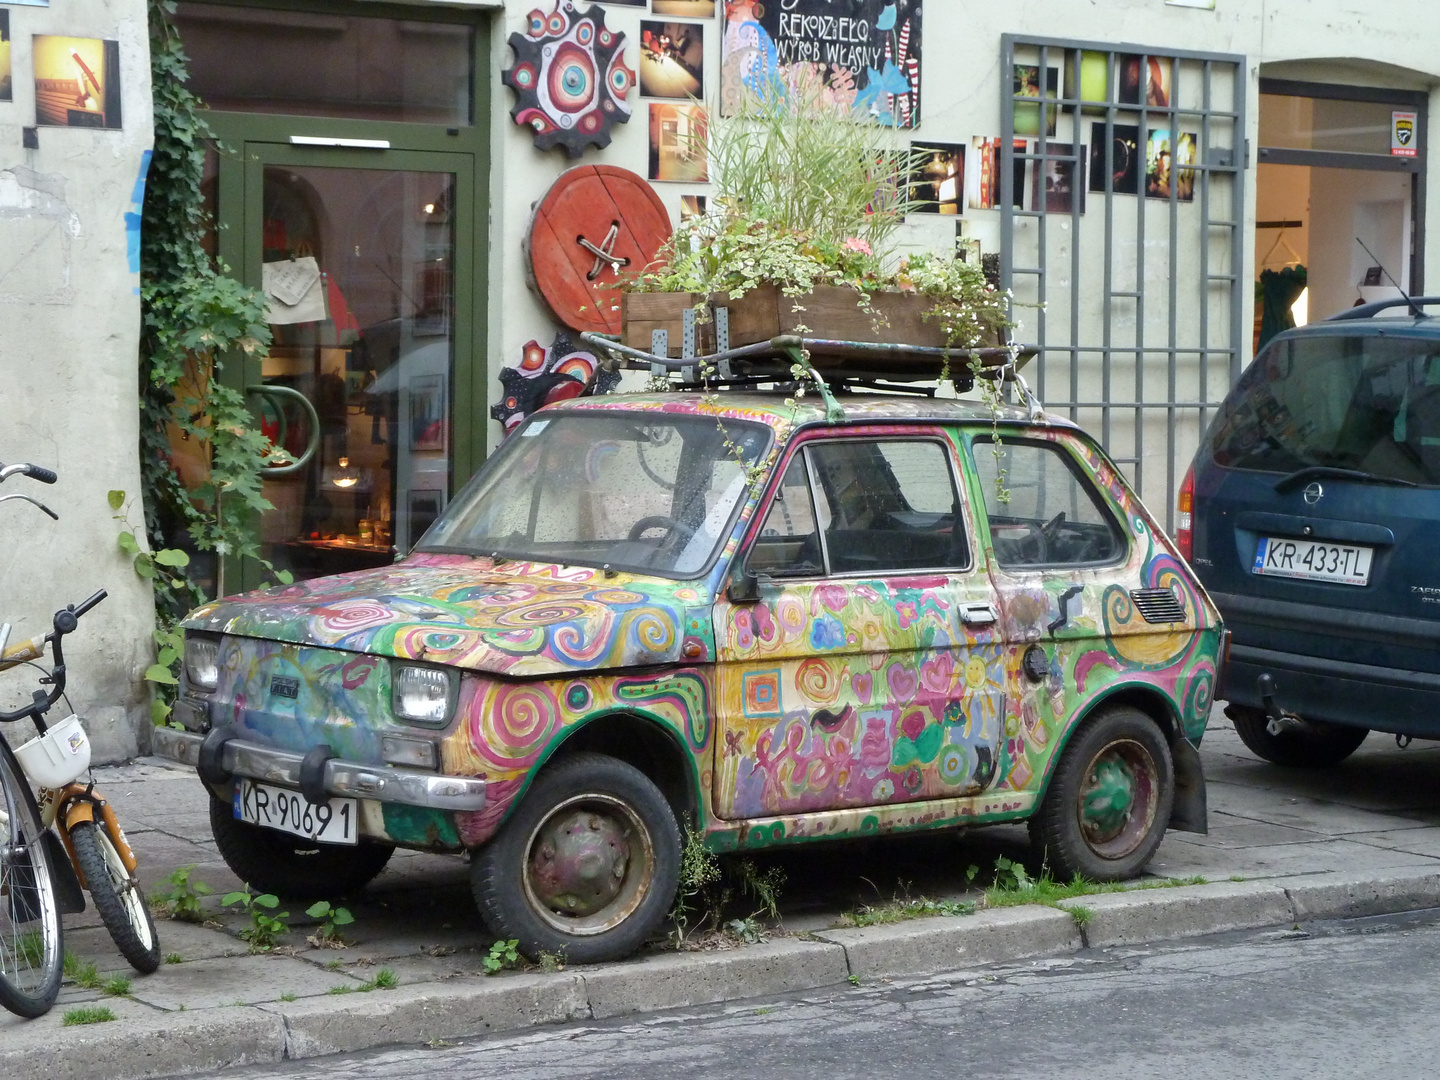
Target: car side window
{"x":887,"y":505}
{"x":789,"y":540}
{"x":1045,"y":511}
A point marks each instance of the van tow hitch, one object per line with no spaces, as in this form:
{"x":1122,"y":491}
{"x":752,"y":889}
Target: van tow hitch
{"x":1280,"y":721}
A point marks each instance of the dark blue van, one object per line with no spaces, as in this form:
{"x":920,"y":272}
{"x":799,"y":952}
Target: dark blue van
{"x":1312,"y":515}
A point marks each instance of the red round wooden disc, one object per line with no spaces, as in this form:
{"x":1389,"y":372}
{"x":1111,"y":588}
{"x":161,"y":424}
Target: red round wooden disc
{"x":590,"y":208}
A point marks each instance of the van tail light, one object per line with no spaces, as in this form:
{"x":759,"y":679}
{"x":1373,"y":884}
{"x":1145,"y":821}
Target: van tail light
{"x":1184,"y":515}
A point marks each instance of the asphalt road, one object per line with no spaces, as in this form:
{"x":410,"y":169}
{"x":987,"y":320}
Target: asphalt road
{"x":1354,"y":1000}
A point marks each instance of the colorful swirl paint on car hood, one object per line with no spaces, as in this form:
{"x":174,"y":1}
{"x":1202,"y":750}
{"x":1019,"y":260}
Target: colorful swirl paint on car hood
{"x":521,"y":619}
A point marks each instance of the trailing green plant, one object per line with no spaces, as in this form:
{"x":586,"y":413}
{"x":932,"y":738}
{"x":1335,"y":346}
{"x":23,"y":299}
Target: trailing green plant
{"x":266,"y":925}
{"x":502,"y":955}
{"x":193,"y":316}
{"x":327,"y":934}
{"x":180,"y":896}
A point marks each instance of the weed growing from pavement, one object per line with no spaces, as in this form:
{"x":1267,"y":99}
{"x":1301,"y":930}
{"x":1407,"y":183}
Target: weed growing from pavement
{"x":550,"y":961}
{"x":119,"y":986}
{"x":1011,"y":886}
{"x":81,"y":972}
{"x":265,"y":928}
{"x":180,"y":896}
{"x":31,"y":946}
{"x":174,"y":958}
{"x":385,"y":979}
{"x":289,"y":996}
{"x":327,"y":934}
{"x":502,"y":955}
{"x":88,"y":1014}
{"x":707,"y":888}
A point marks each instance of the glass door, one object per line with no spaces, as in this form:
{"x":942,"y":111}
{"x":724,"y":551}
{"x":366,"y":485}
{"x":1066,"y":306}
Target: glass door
{"x":361,"y":255}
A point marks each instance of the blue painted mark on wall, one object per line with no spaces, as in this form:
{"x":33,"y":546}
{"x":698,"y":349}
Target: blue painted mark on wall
{"x":132,"y":217}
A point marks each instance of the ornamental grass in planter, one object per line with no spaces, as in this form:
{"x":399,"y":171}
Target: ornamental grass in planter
{"x":800,"y":241}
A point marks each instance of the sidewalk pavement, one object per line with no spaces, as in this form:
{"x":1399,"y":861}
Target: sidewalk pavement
{"x":1283,"y":847}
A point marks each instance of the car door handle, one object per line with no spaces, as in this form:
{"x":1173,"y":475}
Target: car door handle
{"x":978,"y":614}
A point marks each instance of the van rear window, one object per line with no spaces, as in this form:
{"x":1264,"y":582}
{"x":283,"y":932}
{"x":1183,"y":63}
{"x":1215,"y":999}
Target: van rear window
{"x":1360,"y":402}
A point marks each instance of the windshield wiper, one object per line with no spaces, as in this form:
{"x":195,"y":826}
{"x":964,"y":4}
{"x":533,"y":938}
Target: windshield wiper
{"x":1313,"y":472}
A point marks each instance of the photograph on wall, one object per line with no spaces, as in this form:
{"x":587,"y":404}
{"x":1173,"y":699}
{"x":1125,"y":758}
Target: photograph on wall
{"x":858,"y":56}
{"x":672,"y":59}
{"x":1027,"y":84}
{"x":677,"y":144}
{"x":77,"y":82}
{"x":1124,"y":163}
{"x":1156,"y":81}
{"x":937,"y":182}
{"x":427,"y":412}
{"x":692,"y":206}
{"x":1056,"y":190}
{"x":691,"y":9}
{"x":7,"y":93}
{"x":982,"y":174}
{"x":1165,"y":165}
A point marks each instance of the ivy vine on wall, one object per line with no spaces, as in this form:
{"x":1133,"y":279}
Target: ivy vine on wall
{"x":194,"y":316}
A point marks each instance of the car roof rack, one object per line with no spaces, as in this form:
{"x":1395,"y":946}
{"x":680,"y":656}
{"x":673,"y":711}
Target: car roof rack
{"x":830,"y":364}
{"x":1365,"y":311}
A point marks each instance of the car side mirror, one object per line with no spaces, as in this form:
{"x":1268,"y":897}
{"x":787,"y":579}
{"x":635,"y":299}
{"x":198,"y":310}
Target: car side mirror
{"x":745,"y":585}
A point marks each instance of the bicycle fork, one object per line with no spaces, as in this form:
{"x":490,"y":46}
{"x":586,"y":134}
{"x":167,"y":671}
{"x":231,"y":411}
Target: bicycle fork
{"x":67,"y":807}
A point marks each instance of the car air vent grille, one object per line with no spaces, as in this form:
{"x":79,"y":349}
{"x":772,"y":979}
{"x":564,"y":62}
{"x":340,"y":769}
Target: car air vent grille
{"x":1158,"y":605}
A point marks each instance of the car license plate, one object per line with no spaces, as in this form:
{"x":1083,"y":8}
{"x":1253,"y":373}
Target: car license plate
{"x":1313,"y":560}
{"x":332,"y":822}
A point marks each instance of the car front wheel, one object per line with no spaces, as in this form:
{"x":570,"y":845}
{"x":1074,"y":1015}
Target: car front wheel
{"x":1316,"y":745}
{"x":587,"y":866}
{"x":1109,"y":802}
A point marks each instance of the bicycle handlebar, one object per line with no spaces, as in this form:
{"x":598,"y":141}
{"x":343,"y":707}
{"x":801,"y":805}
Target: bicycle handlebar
{"x":23,"y":468}
{"x":65,"y":622}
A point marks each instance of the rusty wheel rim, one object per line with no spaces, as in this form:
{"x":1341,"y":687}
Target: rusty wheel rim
{"x":589,"y":864}
{"x":1117,"y":799}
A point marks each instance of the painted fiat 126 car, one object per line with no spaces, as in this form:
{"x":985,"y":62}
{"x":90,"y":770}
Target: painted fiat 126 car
{"x":727,"y":613}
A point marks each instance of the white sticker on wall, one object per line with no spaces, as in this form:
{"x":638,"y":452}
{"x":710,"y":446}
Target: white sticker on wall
{"x":1404,"y":135}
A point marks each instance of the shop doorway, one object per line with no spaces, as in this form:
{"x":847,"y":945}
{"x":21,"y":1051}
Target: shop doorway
{"x":349,"y":186}
{"x":1338,"y":202}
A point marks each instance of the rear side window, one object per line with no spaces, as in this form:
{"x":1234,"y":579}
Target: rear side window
{"x":1361,"y":402}
{"x":1045,"y":511}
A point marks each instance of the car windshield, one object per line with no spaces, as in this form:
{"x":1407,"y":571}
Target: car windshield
{"x":1359,"y":402}
{"x":649,"y":492}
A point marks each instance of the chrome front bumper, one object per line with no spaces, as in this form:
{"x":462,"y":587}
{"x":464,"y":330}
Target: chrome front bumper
{"x":386,"y":783}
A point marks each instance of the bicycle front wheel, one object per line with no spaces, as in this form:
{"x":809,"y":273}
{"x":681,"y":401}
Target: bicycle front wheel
{"x":32,"y":948}
{"x":117,"y":896}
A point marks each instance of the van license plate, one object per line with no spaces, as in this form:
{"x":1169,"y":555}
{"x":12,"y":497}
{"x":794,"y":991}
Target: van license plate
{"x":330,"y":822}
{"x":1312,"y":560}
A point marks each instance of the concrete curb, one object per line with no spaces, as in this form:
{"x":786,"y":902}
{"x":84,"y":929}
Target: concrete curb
{"x":159,"y":1044}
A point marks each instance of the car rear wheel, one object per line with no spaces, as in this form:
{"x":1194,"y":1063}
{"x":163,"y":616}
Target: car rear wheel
{"x":1318,"y":745}
{"x":1109,"y":802}
{"x":276,"y":862}
{"x":587,"y":866}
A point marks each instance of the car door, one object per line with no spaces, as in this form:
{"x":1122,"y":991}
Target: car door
{"x":867,"y":671}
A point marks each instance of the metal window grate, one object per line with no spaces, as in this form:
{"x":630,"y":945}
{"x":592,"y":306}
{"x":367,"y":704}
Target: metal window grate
{"x":1137,"y":300}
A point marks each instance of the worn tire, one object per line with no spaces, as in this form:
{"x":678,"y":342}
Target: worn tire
{"x":586,"y":867}
{"x":1321,"y":747}
{"x":1109,"y":800}
{"x":117,"y":897}
{"x":276,"y":862}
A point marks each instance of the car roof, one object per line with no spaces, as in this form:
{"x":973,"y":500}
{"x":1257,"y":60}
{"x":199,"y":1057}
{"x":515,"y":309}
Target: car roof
{"x":1376,"y":326}
{"x":783,"y":412}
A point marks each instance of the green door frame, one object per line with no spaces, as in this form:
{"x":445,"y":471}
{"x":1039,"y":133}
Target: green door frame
{"x":250,"y":141}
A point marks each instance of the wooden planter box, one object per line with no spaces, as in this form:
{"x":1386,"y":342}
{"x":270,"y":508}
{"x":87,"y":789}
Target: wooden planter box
{"x":832,"y":312}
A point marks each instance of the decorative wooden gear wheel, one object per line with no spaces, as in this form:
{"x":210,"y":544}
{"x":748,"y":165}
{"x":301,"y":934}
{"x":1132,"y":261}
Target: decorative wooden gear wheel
{"x":569,"y":78}
{"x":595,"y":224}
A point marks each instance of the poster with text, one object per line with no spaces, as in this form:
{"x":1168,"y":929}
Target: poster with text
{"x":77,"y":82}
{"x":861,"y":56}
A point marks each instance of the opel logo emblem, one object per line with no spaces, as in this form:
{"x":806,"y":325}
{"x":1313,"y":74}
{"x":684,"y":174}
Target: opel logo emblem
{"x":1313,"y":493}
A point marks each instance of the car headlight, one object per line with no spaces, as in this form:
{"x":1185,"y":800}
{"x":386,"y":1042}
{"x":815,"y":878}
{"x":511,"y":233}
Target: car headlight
{"x":202,"y":662}
{"x":421,"y":694}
